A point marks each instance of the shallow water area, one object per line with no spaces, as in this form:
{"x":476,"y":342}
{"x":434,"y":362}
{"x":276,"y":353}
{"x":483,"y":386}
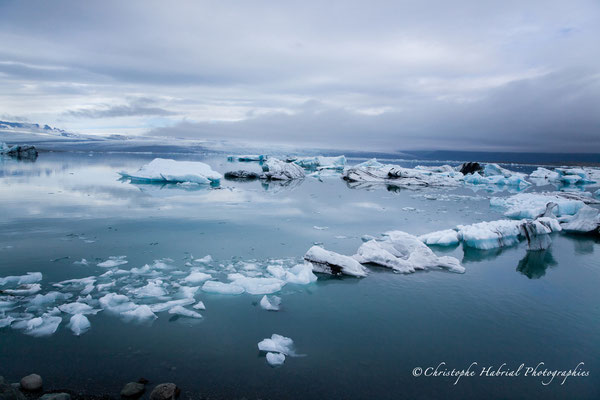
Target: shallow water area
{"x":359,"y":338}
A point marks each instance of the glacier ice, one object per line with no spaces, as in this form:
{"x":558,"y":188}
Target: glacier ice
{"x":79,"y":324}
{"x":301,"y":274}
{"x":270,"y":303}
{"x":160,"y":307}
{"x":447,"y":237}
{"x":332,"y":263}
{"x":321,"y":162}
{"x":199,"y":306}
{"x":197,"y":277}
{"x":166,"y":170}
{"x":45,"y":325}
{"x":24,"y":290}
{"x":113,"y":261}
{"x":204,"y":260}
{"x":139,"y":314}
{"x":247,"y":157}
{"x":222,"y":288}
{"x":489,"y":235}
{"x":30,"y":277}
{"x":77,"y":308}
{"x":531,"y":205}
{"x":404,"y":253}
{"x":277,"y":344}
{"x":254,"y":285}
{"x":375,"y":172}
{"x":275,"y":359}
{"x":276,"y":169}
{"x":184,"y":312}
{"x":116,"y":303}
{"x":587,"y":220}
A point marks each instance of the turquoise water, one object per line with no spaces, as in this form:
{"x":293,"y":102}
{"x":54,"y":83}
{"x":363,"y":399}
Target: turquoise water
{"x":360,"y":338}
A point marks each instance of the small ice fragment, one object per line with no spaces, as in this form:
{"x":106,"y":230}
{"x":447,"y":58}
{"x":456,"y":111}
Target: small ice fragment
{"x":139,"y":314}
{"x":79,"y":324}
{"x":320,"y":228}
{"x":275,"y":359}
{"x":166,"y":170}
{"x":446,"y":237}
{"x":205,"y":260}
{"x":179,"y":310}
{"x":45,"y":325}
{"x":199,"y":306}
{"x":116,"y":303}
{"x":31,"y":277}
{"x":160,"y":307}
{"x":77,"y":308}
{"x":113,"y":261}
{"x":277,"y":344}
{"x":270,"y":304}
{"x":197,"y":277}
{"x":82,"y":262}
{"x":256,"y":285}
{"x":24,"y":290}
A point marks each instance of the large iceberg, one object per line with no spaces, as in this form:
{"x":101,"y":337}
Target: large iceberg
{"x":276,"y":169}
{"x":404,"y":253}
{"x":321,"y":162}
{"x":328,"y":262}
{"x":532,"y":205}
{"x":587,"y":220}
{"x":166,"y":170}
{"x":447,"y":237}
{"x":376,"y":172}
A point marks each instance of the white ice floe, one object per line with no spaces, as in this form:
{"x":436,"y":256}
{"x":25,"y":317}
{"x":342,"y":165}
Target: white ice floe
{"x":321,"y":162}
{"x":184,"y":312}
{"x":30,"y":277}
{"x":160,"y":307}
{"x":44,"y":325}
{"x":141,"y":313}
{"x":154,"y":288}
{"x":82,"y":262}
{"x":113,"y":261}
{"x":329,"y":262}
{"x":489,"y":235}
{"x":49,"y":298}
{"x":116,"y":303}
{"x":277,"y":344}
{"x":199,"y":306}
{"x":5,"y":322}
{"x":447,"y":237}
{"x":587,"y":220}
{"x":222,"y":288}
{"x":197,"y":277}
{"x":79,"y":324}
{"x":280,"y":170}
{"x":300,"y":274}
{"x":254,"y":285}
{"x":532,"y":205}
{"x":275,"y":359}
{"x":24,"y":290}
{"x":404,"y":253}
{"x":204,"y":260}
{"x":541,"y":175}
{"x":270,"y":303}
{"x":166,"y":170}
{"x":77,"y":308}
{"x":375,"y":172}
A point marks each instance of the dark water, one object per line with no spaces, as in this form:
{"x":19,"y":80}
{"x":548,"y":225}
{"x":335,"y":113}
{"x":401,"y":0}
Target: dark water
{"x":360,"y":338}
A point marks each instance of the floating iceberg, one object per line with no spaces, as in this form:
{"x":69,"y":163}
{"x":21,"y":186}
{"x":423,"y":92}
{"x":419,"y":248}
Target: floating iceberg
{"x":587,"y":220}
{"x":447,"y":237}
{"x":79,"y":324}
{"x":489,"y":235}
{"x":543,"y":174}
{"x":199,"y":306}
{"x":256,"y":285}
{"x":49,"y":298}
{"x":375,"y":172}
{"x":197,"y":277}
{"x":139,"y":314}
{"x":116,"y":303}
{"x":113,"y":261}
{"x":222,"y":288}
{"x":24,"y":290}
{"x":242,"y":175}
{"x":300,"y":274}
{"x":328,"y":262}
{"x":275,"y":359}
{"x":166,"y":170}
{"x":19,"y":151}
{"x":280,"y":170}
{"x":277,"y":344}
{"x":270,"y":303}
{"x":184,"y":312}
{"x":45,"y":325}
{"x":160,"y":307}
{"x":321,"y":162}
{"x":77,"y":308}
{"x":532,"y":205}
{"x":404,"y":253}
{"x":30,"y":277}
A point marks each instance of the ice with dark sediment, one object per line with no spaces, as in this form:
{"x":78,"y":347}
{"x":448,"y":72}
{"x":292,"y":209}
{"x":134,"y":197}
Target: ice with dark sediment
{"x":275,"y":169}
{"x":332,"y":263}
{"x":321,"y":162}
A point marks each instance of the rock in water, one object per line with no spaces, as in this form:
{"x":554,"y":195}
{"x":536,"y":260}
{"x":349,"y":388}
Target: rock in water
{"x":470,"y":167}
{"x":165,"y":391}
{"x":56,"y":396}
{"x":241,"y":175}
{"x":7,"y":392}
{"x":31,"y":382}
{"x":133,"y":389}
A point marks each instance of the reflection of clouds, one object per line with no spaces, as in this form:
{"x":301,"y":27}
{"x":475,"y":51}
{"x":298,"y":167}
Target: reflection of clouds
{"x":275,"y":186}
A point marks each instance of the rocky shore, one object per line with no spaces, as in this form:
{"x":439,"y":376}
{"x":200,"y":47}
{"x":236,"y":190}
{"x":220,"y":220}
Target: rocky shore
{"x":31,"y":387}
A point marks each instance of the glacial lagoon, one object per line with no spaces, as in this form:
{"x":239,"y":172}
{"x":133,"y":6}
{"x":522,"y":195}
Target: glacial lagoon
{"x":353,"y":338}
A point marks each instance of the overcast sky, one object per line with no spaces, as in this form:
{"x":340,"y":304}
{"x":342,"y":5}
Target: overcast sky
{"x":395,"y":75}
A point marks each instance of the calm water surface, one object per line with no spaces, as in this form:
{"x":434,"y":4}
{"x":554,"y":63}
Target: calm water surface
{"x":360,"y":338}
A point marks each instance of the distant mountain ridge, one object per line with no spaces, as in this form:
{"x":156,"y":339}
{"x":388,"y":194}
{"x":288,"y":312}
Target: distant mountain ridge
{"x":7,"y":125}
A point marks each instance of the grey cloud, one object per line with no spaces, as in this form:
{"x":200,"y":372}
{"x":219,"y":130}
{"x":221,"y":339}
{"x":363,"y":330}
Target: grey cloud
{"x":140,"y":107}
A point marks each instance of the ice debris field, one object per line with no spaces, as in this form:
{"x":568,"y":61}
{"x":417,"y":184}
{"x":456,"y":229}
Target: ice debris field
{"x":142,"y":293}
